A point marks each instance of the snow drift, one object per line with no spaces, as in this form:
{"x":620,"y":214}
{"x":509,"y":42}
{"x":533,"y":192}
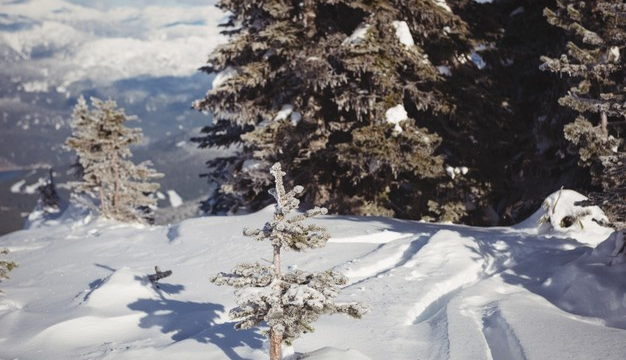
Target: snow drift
{"x":436,"y":291}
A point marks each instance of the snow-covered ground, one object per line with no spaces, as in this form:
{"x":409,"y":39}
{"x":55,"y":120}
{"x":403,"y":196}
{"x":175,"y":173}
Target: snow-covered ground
{"x":436,"y":291}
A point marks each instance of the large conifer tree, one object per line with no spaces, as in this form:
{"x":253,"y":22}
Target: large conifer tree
{"x":596,"y":71}
{"x":349,"y":93}
{"x":101,"y":141}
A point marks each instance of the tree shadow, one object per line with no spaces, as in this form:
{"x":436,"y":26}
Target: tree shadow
{"x":193,"y":320}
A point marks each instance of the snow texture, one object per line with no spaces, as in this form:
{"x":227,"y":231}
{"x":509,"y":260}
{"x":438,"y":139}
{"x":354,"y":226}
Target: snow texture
{"x":443,"y":4}
{"x":223,"y":76}
{"x":437,"y":291}
{"x":358,"y":35}
{"x":403,"y":33}
{"x":395,"y":115}
{"x":175,"y":199}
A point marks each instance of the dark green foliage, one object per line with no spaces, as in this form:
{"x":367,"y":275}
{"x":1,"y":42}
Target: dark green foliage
{"x":102,"y":144}
{"x":594,"y":69}
{"x":49,"y":199}
{"x":297,"y":84}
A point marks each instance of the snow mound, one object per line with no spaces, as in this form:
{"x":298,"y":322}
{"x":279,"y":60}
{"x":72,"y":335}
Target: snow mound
{"x":576,"y":287}
{"x":119,"y":289}
{"x":330,"y":353}
{"x":560,"y":214}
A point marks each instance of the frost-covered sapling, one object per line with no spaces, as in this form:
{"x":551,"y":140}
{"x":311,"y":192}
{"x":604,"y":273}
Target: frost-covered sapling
{"x":6,"y":265}
{"x":102,"y":143}
{"x":289,"y":302}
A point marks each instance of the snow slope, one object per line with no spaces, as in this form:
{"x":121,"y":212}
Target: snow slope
{"x":436,"y":291}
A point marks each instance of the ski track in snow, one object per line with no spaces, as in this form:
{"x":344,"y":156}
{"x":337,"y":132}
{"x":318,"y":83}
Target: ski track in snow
{"x":503,"y":344}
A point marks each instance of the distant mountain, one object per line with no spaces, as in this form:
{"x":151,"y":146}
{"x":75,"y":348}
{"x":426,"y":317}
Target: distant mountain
{"x":143,"y":54}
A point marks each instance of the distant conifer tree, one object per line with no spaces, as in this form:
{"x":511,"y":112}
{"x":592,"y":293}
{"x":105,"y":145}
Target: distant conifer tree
{"x":288,"y":303}
{"x":101,"y":141}
{"x":595,"y":67}
{"x":49,"y":199}
{"x":350,"y":94}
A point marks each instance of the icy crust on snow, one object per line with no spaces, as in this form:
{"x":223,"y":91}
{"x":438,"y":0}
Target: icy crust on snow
{"x":436,"y":291}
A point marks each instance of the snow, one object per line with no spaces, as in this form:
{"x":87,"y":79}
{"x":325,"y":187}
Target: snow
{"x":442,"y":4}
{"x":223,"y":76}
{"x":395,"y":115}
{"x":613,"y":53}
{"x":77,"y":42}
{"x":444,"y":70}
{"x":478,"y":60}
{"x":17,"y":187}
{"x":437,"y":291}
{"x":403,"y":33}
{"x":175,"y":199}
{"x":284,"y":112}
{"x":330,"y":353}
{"x":358,"y":35}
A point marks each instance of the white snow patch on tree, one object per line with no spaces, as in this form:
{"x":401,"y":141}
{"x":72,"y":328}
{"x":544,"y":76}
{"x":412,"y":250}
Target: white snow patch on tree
{"x":295,"y":118}
{"x":444,"y":70}
{"x":403,"y":33}
{"x":395,"y":115}
{"x":358,"y":35}
{"x":223,"y":76}
{"x":251,"y":165}
{"x":443,"y":5}
{"x":478,"y":60}
{"x":175,"y":199}
{"x":284,"y":112}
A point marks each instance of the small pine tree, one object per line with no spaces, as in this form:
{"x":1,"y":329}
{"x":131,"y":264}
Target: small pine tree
{"x":6,"y":265}
{"x":102,"y":142}
{"x":287,"y":302}
{"x":597,"y":30}
{"x":49,"y":200}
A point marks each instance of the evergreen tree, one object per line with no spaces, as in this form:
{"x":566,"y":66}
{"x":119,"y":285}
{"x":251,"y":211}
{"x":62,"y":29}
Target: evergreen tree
{"x":350,"y":94}
{"x":49,"y":200}
{"x":101,"y":141}
{"x":594,"y":66}
{"x":287,"y":302}
{"x":6,"y":265}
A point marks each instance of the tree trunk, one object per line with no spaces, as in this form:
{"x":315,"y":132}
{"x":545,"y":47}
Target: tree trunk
{"x":277,"y":260}
{"x":276,"y":340}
